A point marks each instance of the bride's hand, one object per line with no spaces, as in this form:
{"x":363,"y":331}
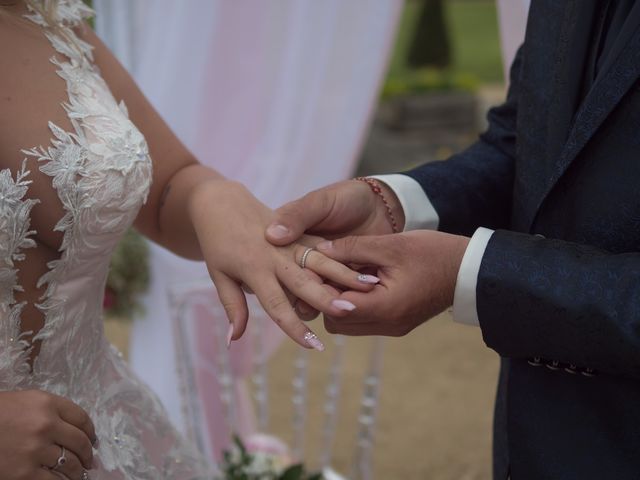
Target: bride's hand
{"x":34,"y":428}
{"x":230,"y":225}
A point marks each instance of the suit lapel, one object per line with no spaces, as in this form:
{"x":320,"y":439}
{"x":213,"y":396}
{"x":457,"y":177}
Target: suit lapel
{"x":557,"y":61}
{"x":570,"y":59}
{"x":609,"y":88}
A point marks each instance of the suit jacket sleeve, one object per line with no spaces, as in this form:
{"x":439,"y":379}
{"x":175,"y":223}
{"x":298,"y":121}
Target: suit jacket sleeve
{"x":474,"y":188}
{"x":560,"y":301}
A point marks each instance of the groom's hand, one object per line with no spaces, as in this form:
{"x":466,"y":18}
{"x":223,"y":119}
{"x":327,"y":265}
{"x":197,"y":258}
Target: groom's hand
{"x":344,"y":208}
{"x":417,"y":272}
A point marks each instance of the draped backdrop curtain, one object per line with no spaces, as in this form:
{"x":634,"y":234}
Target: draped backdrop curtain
{"x":276,"y":94}
{"x":512,"y":20}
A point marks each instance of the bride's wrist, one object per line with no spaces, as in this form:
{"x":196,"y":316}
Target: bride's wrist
{"x":206,"y":197}
{"x":223,"y":198}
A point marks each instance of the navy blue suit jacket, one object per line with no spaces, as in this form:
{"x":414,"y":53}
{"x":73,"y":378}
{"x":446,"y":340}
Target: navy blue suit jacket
{"x":562,"y":311}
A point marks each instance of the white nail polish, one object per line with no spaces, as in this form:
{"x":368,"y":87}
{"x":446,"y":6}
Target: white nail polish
{"x":371,"y":279}
{"x":313,"y":341}
{"x":343,"y":305}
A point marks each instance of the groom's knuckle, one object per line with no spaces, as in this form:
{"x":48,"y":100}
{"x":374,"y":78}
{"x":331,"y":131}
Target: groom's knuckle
{"x":291,"y":212}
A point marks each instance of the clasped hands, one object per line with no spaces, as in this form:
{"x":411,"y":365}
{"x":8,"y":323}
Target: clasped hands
{"x":417,"y":270}
{"x":366,"y":280}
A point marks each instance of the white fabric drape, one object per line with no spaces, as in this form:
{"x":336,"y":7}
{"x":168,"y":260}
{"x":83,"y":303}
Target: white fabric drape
{"x":276,"y":94}
{"x":512,"y":18}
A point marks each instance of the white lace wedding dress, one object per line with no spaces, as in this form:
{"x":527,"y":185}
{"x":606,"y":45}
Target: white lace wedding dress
{"x":101,"y":172}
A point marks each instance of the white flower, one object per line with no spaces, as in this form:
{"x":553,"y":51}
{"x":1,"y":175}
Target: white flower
{"x":119,"y":446}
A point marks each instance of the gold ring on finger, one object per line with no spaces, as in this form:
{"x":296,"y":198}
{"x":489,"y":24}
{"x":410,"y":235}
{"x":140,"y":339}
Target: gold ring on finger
{"x":303,"y":259}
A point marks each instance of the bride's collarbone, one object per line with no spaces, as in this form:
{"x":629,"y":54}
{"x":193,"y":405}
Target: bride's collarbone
{"x":31,"y":91}
{"x":32,"y":95}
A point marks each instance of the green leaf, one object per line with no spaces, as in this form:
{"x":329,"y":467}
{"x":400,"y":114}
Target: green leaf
{"x":294,"y":472}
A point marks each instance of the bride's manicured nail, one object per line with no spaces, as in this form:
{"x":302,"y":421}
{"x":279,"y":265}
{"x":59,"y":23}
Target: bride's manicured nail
{"x":343,"y":305}
{"x":371,"y":279}
{"x":229,"y":335}
{"x":278,"y":231}
{"x":313,"y":341}
{"x":325,"y":245}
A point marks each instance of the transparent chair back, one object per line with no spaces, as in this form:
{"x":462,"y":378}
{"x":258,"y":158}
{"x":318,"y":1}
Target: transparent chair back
{"x":226,"y":391}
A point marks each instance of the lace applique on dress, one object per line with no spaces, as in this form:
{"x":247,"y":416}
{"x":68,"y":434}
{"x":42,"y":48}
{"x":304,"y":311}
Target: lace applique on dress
{"x":15,"y":236}
{"x":101,"y":172}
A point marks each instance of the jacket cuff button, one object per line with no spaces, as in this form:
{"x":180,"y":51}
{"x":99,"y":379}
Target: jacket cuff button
{"x":553,"y":365}
{"x":535,"y":361}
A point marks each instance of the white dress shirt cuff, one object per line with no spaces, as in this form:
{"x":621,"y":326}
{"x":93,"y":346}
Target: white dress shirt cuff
{"x":464,"y":299}
{"x":419,"y":213}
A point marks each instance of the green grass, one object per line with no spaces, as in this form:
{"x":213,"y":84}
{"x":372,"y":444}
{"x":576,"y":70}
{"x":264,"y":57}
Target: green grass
{"x":473,"y":29}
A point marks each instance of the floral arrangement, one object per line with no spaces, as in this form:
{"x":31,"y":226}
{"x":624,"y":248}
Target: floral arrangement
{"x":257,"y":463}
{"x":128,"y":276}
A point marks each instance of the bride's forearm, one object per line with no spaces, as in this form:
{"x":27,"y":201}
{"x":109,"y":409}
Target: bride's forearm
{"x":176,"y":229}
{"x":201,"y":215}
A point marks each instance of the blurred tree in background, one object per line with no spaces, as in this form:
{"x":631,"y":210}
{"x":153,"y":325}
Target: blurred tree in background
{"x":430,"y":44}
{"x":445,"y":45}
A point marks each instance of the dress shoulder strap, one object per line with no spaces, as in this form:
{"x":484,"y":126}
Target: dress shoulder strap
{"x":68,"y":13}
{"x":59,"y":18}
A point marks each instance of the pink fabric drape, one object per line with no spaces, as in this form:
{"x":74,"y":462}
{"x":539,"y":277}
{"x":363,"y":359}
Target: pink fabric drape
{"x":512,"y":17}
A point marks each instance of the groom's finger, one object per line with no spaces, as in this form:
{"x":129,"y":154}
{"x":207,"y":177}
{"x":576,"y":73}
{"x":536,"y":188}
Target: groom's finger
{"x":302,"y":309}
{"x":370,"y":306}
{"x":362,"y":250}
{"x":335,"y":326}
{"x":294,"y":218}
{"x":305,"y":311}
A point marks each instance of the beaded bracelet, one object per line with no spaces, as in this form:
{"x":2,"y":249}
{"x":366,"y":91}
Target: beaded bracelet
{"x":375,"y":187}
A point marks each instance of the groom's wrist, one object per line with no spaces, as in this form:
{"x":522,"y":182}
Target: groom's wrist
{"x":395,"y":207}
{"x":387,"y":207}
{"x":464,"y":300}
{"x":417,"y":210}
